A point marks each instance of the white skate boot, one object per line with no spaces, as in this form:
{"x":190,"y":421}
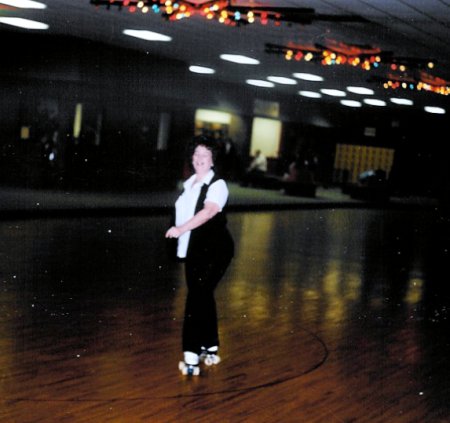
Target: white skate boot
{"x":209,"y":356}
{"x":190,"y":367}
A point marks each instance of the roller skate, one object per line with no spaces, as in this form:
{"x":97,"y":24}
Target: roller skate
{"x":189,"y":367}
{"x":209,"y":356}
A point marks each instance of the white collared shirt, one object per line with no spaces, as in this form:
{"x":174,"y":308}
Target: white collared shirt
{"x":186,"y":202}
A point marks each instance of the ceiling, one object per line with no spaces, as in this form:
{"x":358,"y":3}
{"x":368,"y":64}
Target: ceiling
{"x":415,"y":30}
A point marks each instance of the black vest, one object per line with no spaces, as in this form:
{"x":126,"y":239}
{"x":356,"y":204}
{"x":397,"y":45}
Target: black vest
{"x":212,"y":237}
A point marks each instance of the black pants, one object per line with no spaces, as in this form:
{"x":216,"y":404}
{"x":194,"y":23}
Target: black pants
{"x":203,"y":273}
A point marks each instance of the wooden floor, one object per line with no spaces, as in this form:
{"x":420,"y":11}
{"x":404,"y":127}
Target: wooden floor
{"x":326,"y":316}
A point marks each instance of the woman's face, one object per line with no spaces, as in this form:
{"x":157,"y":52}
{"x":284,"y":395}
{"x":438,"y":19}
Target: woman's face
{"x":202,"y":160}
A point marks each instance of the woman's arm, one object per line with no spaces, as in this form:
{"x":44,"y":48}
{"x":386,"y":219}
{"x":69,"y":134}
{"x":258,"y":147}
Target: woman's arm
{"x":209,"y":210}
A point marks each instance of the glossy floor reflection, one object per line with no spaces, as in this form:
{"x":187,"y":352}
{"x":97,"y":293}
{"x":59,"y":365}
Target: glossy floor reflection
{"x":326,"y":316}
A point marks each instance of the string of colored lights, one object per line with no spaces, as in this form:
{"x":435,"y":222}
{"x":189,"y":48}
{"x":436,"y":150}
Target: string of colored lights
{"x":181,"y":9}
{"x":368,"y":62}
{"x":395,"y":84}
{"x":329,"y":57}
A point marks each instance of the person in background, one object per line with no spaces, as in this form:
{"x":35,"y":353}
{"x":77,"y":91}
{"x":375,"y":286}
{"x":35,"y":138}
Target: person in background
{"x":257,"y":168}
{"x":206,"y":246}
{"x":230,"y":161}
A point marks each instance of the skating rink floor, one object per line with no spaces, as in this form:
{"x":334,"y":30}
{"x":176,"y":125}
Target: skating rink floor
{"x":330,"y":315}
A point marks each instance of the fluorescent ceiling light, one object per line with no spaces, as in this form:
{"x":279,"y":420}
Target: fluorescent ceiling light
{"x":310,"y":94}
{"x":361,"y":90}
{"x":23,"y":23}
{"x":237,"y":58}
{"x":282,"y":80}
{"x":260,"y":83}
{"x":374,"y":102}
{"x":437,"y":110}
{"x":402,"y":101}
{"x":201,"y":69}
{"x":351,"y":103}
{"x":333,"y":93}
{"x":24,"y":4}
{"x":308,"y":77}
{"x":146,"y":35}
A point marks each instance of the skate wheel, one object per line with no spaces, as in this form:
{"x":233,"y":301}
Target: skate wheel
{"x":188,"y":370}
{"x":193,"y":370}
{"x":212,"y":359}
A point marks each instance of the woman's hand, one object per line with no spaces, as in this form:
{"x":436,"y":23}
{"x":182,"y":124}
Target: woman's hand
{"x":173,"y":232}
{"x":206,"y":213}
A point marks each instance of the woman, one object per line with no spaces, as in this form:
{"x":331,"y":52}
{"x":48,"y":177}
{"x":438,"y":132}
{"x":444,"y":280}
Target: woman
{"x":207,"y":248}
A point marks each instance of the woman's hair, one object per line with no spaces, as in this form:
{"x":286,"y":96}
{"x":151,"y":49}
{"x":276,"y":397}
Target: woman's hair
{"x":209,"y":143}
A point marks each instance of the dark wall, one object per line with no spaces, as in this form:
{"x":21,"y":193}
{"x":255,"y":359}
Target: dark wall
{"x":123,"y":95}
